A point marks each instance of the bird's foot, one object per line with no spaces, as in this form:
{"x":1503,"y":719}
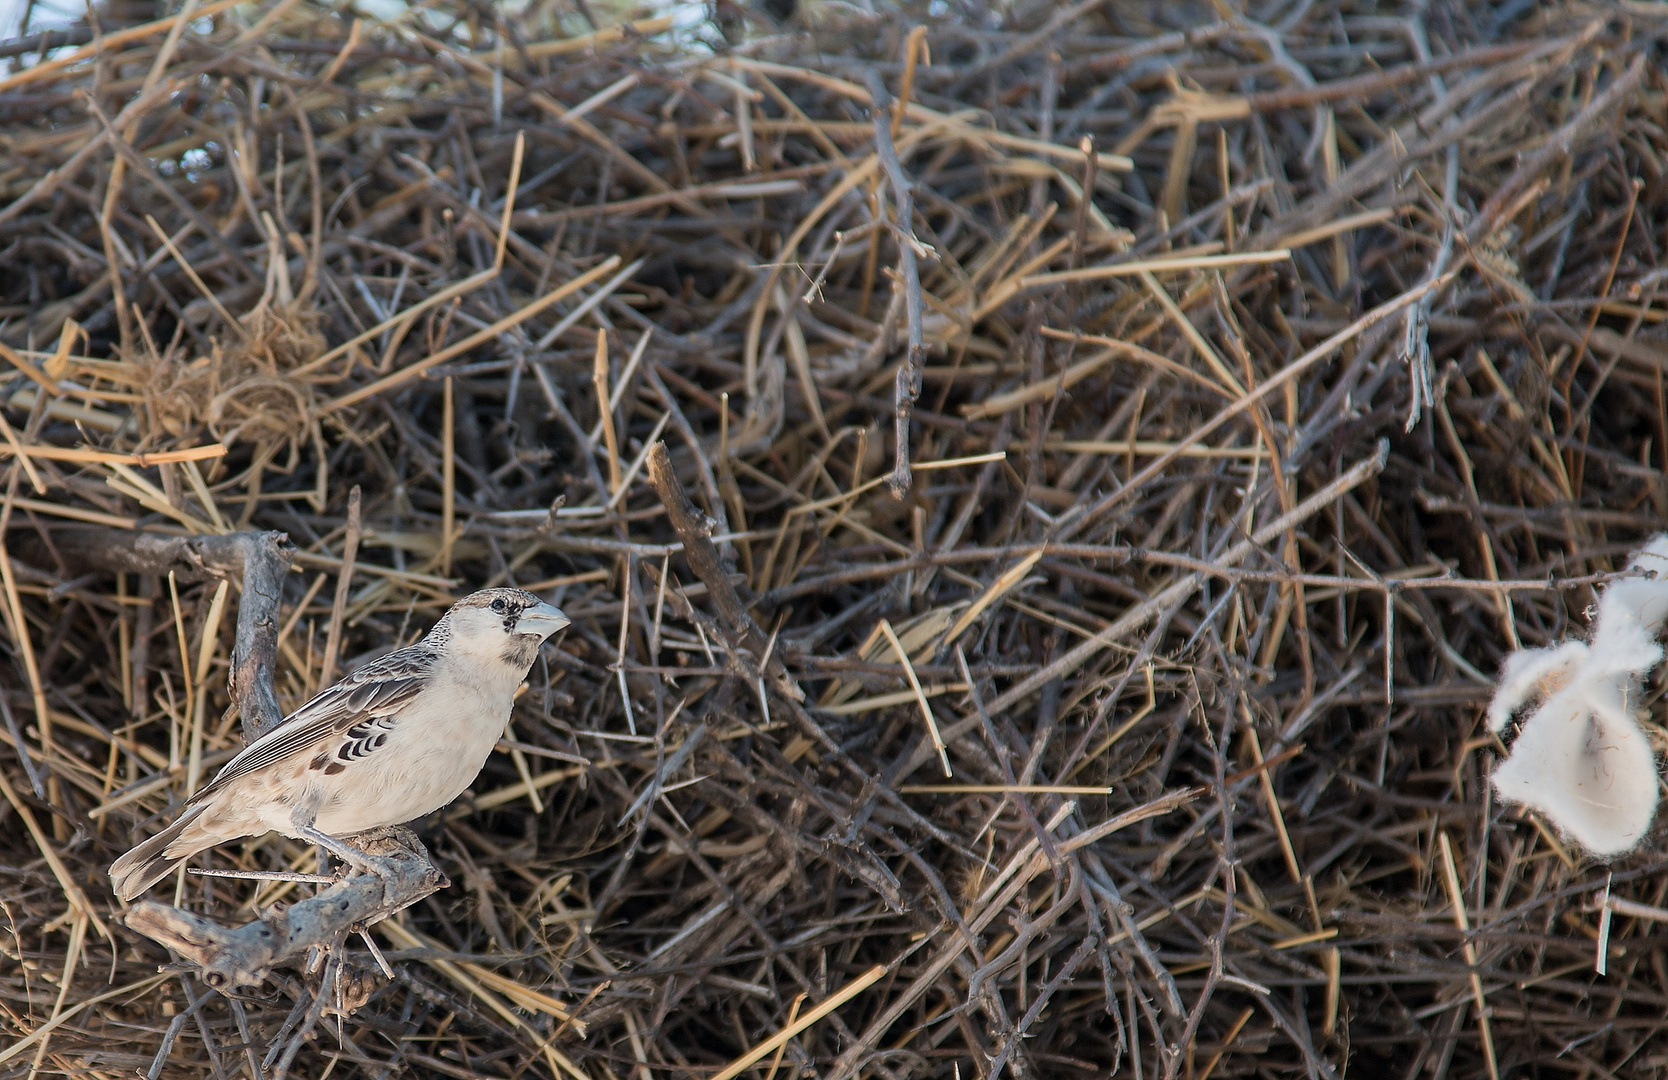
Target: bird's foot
{"x":359,"y":861}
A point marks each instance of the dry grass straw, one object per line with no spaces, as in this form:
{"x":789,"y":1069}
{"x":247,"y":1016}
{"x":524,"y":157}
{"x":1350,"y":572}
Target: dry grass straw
{"x":1169,"y":290}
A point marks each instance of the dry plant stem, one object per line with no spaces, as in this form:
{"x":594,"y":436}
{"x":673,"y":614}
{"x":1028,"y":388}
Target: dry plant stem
{"x":1456,"y":896}
{"x":694,"y":529}
{"x":1600,"y":110}
{"x":344,"y":585}
{"x":480,"y":337}
{"x":52,"y":181}
{"x":1027,"y":862}
{"x":448,"y":477}
{"x":1285,"y":376}
{"x":907,"y":383}
{"x":1167,"y":599}
{"x":599,"y":380}
{"x":138,"y":164}
{"x":709,"y":481}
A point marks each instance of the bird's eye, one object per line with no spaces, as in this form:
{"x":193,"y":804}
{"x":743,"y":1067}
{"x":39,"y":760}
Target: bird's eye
{"x":498,"y":606}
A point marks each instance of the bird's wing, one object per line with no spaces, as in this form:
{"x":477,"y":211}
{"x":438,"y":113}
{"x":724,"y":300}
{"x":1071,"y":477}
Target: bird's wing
{"x":359,"y":707}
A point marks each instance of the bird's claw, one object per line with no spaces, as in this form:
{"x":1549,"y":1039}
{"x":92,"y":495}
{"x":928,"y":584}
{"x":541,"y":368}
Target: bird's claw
{"x":370,"y":864}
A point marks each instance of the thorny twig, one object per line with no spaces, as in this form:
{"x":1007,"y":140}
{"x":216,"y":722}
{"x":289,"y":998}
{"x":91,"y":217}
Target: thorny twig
{"x":906,"y":386}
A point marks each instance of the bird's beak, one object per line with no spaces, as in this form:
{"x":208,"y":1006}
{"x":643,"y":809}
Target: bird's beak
{"x":541,"y":619}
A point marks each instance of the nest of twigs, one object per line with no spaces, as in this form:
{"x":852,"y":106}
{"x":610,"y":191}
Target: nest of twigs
{"x":1125,"y":438}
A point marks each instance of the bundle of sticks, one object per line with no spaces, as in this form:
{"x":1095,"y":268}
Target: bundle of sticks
{"x":1042,"y":496}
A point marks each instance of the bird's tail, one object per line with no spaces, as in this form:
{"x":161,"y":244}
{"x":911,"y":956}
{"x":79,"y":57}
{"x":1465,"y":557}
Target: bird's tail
{"x":152,"y":861}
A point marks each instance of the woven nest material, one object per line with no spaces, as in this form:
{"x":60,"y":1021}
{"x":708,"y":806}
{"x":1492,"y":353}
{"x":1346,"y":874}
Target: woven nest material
{"x":1124,"y":440}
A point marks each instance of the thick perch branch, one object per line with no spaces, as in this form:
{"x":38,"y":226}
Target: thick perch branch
{"x":245,"y":955}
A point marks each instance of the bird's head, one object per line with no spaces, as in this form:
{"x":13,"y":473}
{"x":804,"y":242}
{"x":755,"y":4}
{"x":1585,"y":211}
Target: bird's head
{"x":507,"y":624}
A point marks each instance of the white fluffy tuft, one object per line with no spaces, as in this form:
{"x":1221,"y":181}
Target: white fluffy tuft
{"x":1581,"y":757}
{"x":1588,"y":767}
{"x":1530,"y":674}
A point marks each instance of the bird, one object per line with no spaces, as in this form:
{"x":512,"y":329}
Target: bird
{"x":398,"y":738}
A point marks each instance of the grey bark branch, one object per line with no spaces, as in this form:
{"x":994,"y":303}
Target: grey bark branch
{"x":693,"y":528}
{"x":266,"y":561}
{"x":907,"y":386}
{"x":245,"y":955}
